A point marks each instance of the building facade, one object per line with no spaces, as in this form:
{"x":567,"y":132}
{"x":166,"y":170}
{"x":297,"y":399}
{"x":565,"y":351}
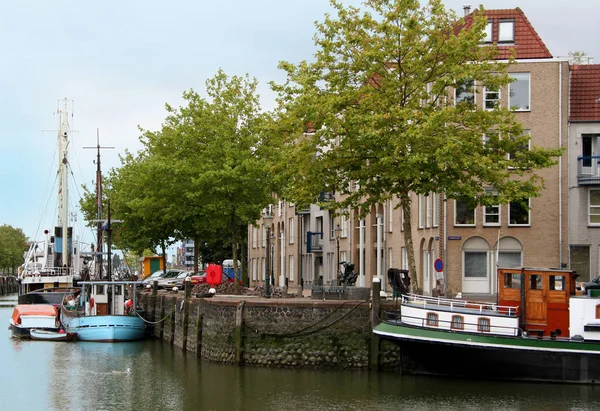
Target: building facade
{"x":457,"y":248}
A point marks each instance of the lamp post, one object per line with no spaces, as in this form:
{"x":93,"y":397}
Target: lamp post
{"x":267,"y":218}
{"x":338,"y":232}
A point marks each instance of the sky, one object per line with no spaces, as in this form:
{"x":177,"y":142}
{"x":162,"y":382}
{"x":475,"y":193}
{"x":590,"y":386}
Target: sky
{"x":119,"y":61}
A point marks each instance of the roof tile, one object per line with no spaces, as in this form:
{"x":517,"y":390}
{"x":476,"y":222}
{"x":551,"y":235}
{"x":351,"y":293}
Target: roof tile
{"x":584,"y":101}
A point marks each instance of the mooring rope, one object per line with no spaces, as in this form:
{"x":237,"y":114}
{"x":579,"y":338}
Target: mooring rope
{"x":159,"y":321}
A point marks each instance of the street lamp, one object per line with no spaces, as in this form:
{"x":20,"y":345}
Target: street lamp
{"x":338,"y":233}
{"x":267,"y":219}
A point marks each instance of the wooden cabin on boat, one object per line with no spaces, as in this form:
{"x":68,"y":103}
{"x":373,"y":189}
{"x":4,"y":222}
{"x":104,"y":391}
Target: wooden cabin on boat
{"x":543,"y":295}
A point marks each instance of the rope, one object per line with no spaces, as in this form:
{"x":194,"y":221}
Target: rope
{"x":159,"y":321}
{"x":303,"y":331}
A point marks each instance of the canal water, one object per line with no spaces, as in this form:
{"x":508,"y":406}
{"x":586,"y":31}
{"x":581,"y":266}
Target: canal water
{"x":150,"y":375}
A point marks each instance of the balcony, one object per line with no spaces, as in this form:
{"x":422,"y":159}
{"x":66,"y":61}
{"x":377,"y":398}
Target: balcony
{"x":588,"y":170}
{"x":314,"y":242}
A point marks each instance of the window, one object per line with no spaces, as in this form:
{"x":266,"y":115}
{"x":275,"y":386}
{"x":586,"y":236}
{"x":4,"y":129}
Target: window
{"x":458,"y":322}
{"x":491,"y":98}
{"x":483,"y":325}
{"x":421,"y":210}
{"x":535,"y":282}
{"x":598,"y":311}
{"x":506,"y":31}
{"x":512,"y":280}
{"x":464,"y":214}
{"x":390,"y":216}
{"x":465,"y":92}
{"x":435,"y":207}
{"x":518,"y":94}
{"x":432,"y":319}
{"x":518,"y":213}
{"x":344,"y":226}
{"x":509,"y":259}
{"x":491,"y":215}
{"x":291,"y":230}
{"x":428,"y":211}
{"x":99,"y":290}
{"x":489,"y":29}
{"x":476,"y":264}
{"x":556,"y":282}
{"x":291,"y":269}
{"x":594,"y":209}
{"x":513,"y":155}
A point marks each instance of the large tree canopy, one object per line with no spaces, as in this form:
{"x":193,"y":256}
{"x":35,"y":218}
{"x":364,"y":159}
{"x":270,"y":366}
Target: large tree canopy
{"x":382,"y":122}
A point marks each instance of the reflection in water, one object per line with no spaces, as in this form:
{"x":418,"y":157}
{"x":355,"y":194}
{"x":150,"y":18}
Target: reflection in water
{"x":149,"y":375}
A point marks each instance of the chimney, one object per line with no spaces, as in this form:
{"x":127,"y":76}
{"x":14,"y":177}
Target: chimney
{"x":467,"y":9}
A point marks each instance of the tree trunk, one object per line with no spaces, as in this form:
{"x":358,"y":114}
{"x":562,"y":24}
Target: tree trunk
{"x":405,"y":203}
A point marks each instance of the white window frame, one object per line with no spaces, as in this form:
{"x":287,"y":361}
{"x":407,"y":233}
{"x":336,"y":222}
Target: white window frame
{"x":291,"y":269}
{"x":595,"y":207}
{"x":466,"y":224}
{"x":435,"y":207}
{"x":492,"y":211}
{"x":428,"y":211}
{"x":528,"y":216}
{"x":421,"y":211}
{"x":489,"y":30}
{"x":291,"y":232}
{"x":344,"y":226}
{"x":526,"y":132}
{"x":486,"y":92}
{"x":404,"y":253}
{"x":514,"y":76}
{"x":390,"y":216}
{"x":506,"y":31}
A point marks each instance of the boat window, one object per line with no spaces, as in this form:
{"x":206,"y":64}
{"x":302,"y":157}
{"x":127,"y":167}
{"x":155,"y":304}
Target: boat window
{"x":512,"y":280}
{"x":458,"y":322}
{"x":556,"y":282}
{"x":483,"y":324}
{"x":535,"y":282}
{"x":118,"y":290}
{"x":432,"y":319}
{"x":598,"y":311}
{"x":99,"y":289}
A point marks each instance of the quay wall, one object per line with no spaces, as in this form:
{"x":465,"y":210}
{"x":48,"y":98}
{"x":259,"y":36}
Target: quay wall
{"x":282,"y":333}
{"x":8,"y":285}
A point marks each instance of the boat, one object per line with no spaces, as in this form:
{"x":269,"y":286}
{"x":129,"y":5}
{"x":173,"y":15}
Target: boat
{"x":49,"y":335}
{"x":56,"y":260}
{"x":26,"y":317}
{"x":538,"y":329}
{"x":101,"y":312}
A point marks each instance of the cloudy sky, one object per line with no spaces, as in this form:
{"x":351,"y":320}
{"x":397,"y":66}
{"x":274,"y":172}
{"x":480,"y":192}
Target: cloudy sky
{"x":120,"y":61}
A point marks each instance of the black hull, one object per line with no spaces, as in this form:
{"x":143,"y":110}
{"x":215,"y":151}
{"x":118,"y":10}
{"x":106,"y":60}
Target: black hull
{"x":474,"y":362}
{"x":19,"y":332}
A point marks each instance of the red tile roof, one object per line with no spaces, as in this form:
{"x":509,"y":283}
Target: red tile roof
{"x":527,"y":44}
{"x":585,"y":93}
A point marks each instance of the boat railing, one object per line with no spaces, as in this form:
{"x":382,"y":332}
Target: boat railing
{"x":454,"y":304}
{"x":48,"y":272}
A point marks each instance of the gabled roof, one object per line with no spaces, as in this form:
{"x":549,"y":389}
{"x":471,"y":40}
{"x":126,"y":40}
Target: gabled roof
{"x":527,"y":44}
{"x":585,"y":93}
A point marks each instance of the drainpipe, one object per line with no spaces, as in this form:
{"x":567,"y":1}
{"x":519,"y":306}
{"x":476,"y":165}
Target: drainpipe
{"x":445,"y":244}
{"x":560,"y":176}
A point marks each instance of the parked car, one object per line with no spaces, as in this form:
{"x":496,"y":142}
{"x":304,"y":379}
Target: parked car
{"x":200,"y":278}
{"x":157,"y":275}
{"x":169,"y":282}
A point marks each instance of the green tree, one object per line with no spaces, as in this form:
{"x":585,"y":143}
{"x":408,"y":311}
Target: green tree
{"x":13,"y":244}
{"x":377,"y":100}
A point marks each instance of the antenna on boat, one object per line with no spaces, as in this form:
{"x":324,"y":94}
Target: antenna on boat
{"x":99,"y":247}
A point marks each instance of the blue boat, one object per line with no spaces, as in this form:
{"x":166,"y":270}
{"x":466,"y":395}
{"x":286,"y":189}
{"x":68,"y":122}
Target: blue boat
{"x":102,"y":313}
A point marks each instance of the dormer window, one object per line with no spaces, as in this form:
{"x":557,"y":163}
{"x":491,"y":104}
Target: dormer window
{"x":506,"y":31}
{"x":488,"y":31}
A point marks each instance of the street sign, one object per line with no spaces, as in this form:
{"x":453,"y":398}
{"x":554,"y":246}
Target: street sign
{"x":438,"y":264}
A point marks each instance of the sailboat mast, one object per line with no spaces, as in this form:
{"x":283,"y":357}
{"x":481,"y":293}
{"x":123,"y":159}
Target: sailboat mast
{"x":99,"y":209}
{"x":63,"y":177}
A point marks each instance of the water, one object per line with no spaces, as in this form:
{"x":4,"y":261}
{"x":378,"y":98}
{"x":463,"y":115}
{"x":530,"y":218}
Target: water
{"x":150,"y":375}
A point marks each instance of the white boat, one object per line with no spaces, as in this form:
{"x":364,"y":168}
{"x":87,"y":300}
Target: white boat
{"x":56,"y":260}
{"x":26,"y":317}
{"x":50,"y":335}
